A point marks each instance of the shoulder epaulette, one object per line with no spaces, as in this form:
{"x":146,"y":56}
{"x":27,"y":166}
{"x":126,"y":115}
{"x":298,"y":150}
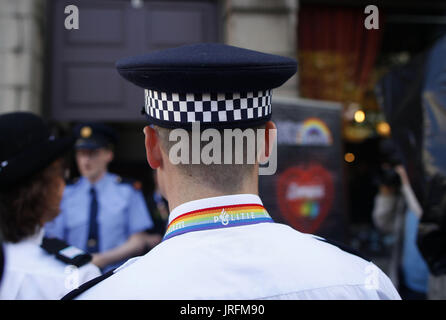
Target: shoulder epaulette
{"x":65,"y":253}
{"x":69,"y":182}
{"x":344,"y":247}
{"x":134,"y":183}
{"x":120,"y":179}
{"x":87,"y":285}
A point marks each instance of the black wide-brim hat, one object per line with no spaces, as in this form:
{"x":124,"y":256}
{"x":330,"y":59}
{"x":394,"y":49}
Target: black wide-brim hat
{"x":26,"y":147}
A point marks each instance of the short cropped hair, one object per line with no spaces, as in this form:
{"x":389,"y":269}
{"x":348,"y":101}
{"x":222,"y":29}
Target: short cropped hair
{"x":223,"y":177}
{"x":23,"y":206}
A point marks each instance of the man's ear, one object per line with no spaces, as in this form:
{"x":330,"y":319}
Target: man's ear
{"x":270,"y":138}
{"x":153,"y":151}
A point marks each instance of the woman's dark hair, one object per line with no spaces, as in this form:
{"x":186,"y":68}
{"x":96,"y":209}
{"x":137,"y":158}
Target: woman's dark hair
{"x":23,"y":207}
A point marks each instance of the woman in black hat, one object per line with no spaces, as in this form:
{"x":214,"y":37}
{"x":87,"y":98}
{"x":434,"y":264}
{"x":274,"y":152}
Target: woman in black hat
{"x":31,"y":188}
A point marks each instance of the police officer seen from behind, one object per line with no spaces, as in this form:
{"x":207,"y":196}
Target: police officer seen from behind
{"x":31,"y":187}
{"x":102,"y":213}
{"x":221,"y":243}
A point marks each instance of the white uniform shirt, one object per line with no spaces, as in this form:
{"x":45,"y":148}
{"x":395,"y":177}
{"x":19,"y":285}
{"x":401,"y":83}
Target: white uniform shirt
{"x":32,"y":273}
{"x":257,"y":261}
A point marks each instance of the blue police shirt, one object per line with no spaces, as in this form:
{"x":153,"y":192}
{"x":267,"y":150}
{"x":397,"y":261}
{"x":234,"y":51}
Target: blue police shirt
{"x":122,"y":212}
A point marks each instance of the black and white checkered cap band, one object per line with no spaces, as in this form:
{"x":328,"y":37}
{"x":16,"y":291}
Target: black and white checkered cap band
{"x":208,"y":107}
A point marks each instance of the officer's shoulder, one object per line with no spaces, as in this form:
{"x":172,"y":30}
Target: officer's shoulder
{"x":129,"y":182}
{"x":93,"y":282}
{"x":65,"y":253}
{"x":343,"y":247}
{"x":72,"y":181}
{"x":87,"y":285}
{"x":72,"y":187}
{"x":315,"y":242}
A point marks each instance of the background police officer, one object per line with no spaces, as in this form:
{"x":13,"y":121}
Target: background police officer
{"x":102,"y":213}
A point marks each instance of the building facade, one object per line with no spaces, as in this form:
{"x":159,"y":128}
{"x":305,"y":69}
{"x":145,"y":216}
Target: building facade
{"x":68,"y":75}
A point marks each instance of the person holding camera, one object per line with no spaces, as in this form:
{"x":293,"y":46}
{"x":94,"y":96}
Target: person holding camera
{"x":397,"y":211}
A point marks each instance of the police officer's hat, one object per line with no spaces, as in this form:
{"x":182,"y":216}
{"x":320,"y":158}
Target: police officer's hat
{"x":93,"y":135}
{"x":217,"y":85}
{"x":26,"y":146}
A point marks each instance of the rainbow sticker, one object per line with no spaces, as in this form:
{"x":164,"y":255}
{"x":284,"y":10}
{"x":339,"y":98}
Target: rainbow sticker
{"x":314,"y":132}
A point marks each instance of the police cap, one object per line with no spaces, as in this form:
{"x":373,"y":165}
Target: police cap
{"x":215,"y":84}
{"x":94,"y":135}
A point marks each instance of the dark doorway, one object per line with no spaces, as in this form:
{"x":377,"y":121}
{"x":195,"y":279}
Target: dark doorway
{"x":84,"y":83}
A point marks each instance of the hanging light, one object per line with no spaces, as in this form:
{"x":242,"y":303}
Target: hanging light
{"x":359,"y":116}
{"x":349,"y":157}
{"x":383,"y":128}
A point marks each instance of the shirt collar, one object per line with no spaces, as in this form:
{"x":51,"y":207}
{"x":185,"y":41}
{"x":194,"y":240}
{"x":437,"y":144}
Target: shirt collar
{"x":214,"y":202}
{"x":35,"y":239}
{"x":99,"y":184}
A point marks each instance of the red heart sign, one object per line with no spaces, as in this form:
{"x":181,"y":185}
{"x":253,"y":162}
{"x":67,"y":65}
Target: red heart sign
{"x":305,"y":196}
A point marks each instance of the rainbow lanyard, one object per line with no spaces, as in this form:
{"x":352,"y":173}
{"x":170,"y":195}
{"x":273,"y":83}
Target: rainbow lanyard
{"x":217,"y":217}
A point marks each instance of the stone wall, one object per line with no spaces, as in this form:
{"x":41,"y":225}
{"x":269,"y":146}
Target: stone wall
{"x":21,"y":55}
{"x":264,"y":25}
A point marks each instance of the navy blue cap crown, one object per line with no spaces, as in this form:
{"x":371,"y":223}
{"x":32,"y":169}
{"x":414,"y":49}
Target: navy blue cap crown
{"x":215,"y":84}
{"x":26,"y":147}
{"x":92,"y":135}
